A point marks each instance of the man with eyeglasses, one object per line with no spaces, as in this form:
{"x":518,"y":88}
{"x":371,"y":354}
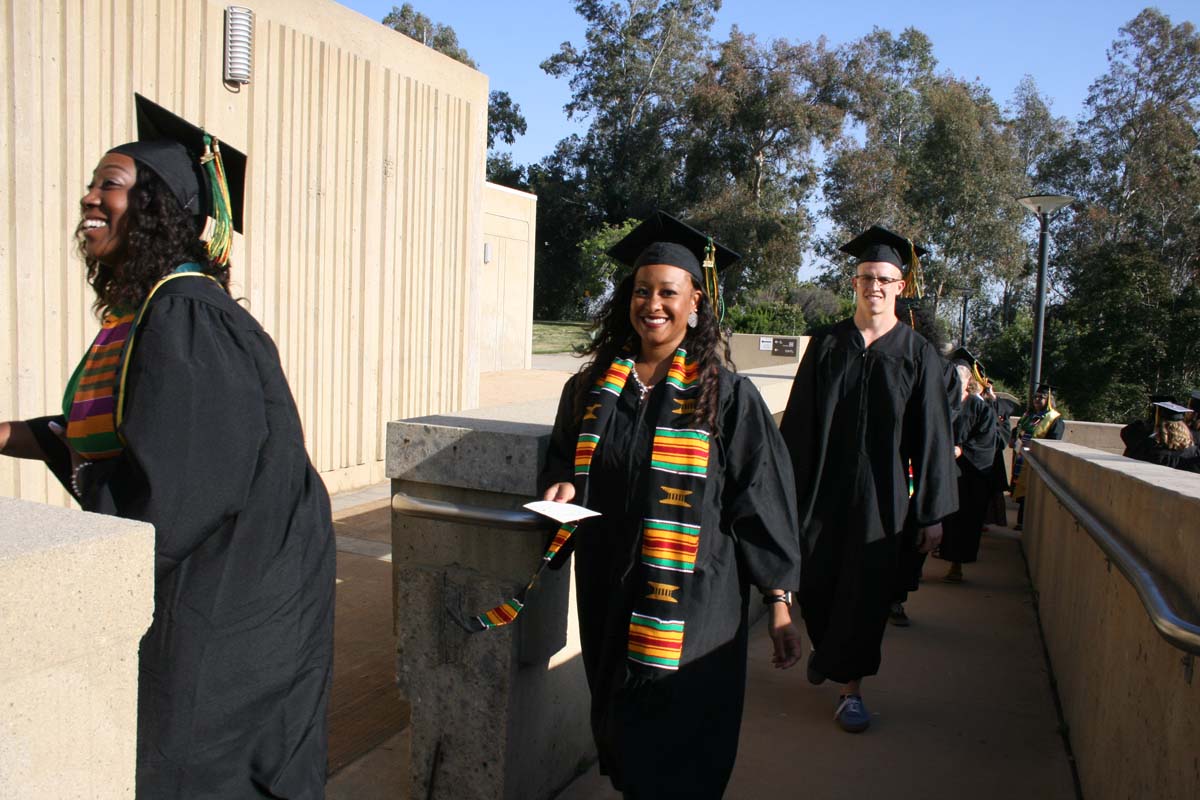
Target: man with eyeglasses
{"x":868,"y":400}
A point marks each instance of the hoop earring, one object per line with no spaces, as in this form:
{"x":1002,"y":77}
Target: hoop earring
{"x":693,"y":320}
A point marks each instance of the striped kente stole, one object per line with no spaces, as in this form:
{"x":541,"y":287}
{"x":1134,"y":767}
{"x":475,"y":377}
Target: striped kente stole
{"x":92,"y":401}
{"x":670,"y":525}
{"x":89,"y":404}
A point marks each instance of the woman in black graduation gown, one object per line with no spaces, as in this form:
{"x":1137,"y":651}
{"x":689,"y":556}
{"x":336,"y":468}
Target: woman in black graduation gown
{"x":685,"y":463}
{"x":180,"y":416}
{"x":1171,"y":445}
{"x":975,"y":449}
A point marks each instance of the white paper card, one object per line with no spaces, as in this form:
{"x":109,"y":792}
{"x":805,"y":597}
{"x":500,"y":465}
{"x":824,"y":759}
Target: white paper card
{"x":561,"y":513}
{"x":764,"y":343}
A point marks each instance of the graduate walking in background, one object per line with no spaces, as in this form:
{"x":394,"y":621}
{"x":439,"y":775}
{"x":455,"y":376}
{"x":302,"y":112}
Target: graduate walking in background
{"x":1041,"y":421}
{"x":869,"y":398}
{"x":975,"y":452}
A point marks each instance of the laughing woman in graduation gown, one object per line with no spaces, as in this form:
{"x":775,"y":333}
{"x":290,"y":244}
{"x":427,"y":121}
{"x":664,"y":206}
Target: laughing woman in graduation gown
{"x":180,"y":415}
{"x":684,"y":461}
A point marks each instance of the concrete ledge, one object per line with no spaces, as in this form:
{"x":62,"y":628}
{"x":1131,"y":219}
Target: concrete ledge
{"x":1131,"y":699}
{"x":1096,"y":435}
{"x":76,"y":595}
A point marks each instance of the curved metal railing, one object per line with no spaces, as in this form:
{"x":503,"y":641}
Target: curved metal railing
{"x":444,"y":511}
{"x":1167,"y":618}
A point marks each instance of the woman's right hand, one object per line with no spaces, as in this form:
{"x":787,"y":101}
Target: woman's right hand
{"x":561,"y":492}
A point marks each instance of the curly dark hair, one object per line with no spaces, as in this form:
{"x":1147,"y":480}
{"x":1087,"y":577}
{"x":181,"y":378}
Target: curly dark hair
{"x":159,"y":236}
{"x":613,"y":334}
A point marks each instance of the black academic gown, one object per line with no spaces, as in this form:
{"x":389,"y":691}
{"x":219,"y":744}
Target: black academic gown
{"x":234,"y":672}
{"x":855,"y":418}
{"x":677,"y":736}
{"x":1187,"y":458}
{"x":975,"y":433}
{"x":911,"y":561}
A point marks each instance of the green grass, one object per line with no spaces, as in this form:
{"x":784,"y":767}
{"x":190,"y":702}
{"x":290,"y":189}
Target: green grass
{"x":558,"y":337}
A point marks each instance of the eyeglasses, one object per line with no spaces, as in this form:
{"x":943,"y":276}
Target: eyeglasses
{"x":870,"y":280}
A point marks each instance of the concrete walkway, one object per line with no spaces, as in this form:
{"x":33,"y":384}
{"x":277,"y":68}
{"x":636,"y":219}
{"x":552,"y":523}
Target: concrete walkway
{"x":962,"y":707}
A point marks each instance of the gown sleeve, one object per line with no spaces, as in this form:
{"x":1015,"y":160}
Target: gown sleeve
{"x":929,"y":442}
{"x":1056,"y":430}
{"x":194,"y":425}
{"x":759,"y":498}
{"x":54,"y":451}
{"x":560,"y":456}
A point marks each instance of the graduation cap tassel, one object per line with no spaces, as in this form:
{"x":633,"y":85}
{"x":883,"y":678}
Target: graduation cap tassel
{"x":712,"y":286}
{"x":219,"y":230}
{"x":913,"y":287}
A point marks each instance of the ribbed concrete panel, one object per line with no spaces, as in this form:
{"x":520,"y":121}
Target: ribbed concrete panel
{"x":363,"y":232}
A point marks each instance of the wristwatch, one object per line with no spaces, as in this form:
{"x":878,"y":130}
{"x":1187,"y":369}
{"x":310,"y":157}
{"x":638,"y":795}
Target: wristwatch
{"x":785,"y":598}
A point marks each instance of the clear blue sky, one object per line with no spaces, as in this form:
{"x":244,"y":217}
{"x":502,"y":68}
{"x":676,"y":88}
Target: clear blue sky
{"x":1061,"y":43}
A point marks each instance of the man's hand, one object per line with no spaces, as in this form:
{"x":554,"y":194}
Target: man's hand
{"x":789,"y":647}
{"x":930,"y":538}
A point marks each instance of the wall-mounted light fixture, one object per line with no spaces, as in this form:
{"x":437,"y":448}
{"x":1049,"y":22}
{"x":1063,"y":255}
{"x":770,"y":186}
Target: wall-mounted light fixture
{"x":239,"y":44}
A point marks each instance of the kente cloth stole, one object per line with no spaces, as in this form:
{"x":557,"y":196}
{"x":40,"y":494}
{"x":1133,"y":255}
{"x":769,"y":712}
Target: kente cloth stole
{"x":92,"y":401}
{"x":89,"y":404}
{"x":670,"y":526}
{"x":1032,"y":426}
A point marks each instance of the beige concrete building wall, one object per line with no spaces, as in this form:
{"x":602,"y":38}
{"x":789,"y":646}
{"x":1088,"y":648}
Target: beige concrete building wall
{"x":1131,"y":699}
{"x":364,"y":225}
{"x":76,"y":595}
{"x":506,"y":281}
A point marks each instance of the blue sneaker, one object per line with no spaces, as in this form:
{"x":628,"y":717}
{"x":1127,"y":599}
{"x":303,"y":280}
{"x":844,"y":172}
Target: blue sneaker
{"x":852,"y":715}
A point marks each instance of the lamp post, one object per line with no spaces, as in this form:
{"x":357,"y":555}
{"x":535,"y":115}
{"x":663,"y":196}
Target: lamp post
{"x":1042,"y":206}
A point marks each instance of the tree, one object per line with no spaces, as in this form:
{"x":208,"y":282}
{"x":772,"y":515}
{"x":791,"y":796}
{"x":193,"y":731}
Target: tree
{"x":505,"y":121}
{"x":755,"y":119}
{"x":1129,"y":255}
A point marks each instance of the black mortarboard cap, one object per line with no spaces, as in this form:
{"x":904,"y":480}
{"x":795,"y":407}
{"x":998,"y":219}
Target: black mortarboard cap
{"x":172,"y":147}
{"x":1194,"y":402}
{"x":1045,"y":388}
{"x":964,"y":356}
{"x":663,"y":239}
{"x":1170,"y":412}
{"x":879,"y":244}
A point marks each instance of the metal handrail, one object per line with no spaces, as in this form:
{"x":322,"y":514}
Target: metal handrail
{"x":445,"y":511}
{"x":1171,"y":624}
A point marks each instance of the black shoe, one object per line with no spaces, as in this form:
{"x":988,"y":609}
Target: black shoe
{"x":897,"y":616}
{"x":814,"y":676}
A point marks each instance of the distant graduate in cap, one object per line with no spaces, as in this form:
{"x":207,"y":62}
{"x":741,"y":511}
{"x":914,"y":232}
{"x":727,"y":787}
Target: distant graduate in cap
{"x":965,"y":357}
{"x":682,"y":459}
{"x":179,"y":415}
{"x":1172,"y":444}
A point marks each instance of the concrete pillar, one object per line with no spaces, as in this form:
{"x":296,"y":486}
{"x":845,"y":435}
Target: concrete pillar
{"x":502,"y":713}
{"x":76,"y":595}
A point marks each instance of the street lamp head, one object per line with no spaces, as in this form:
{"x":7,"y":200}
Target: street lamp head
{"x":1045,"y":203}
